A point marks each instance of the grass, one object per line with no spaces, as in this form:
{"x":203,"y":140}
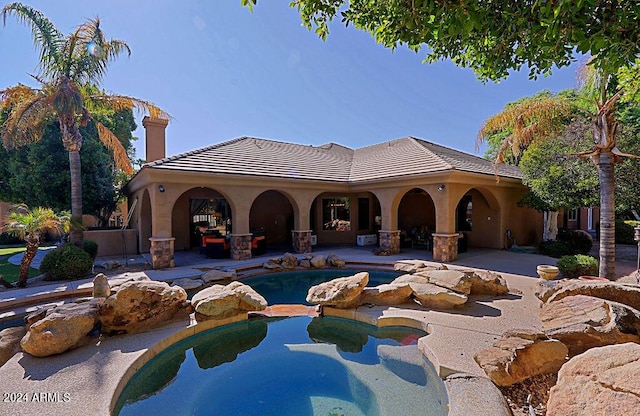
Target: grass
{"x":9,"y":271}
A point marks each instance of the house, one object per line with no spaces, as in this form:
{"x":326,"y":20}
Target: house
{"x":297,"y":195}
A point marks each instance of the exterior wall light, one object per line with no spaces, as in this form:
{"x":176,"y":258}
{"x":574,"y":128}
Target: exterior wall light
{"x":161,"y":188}
{"x":441,"y":188}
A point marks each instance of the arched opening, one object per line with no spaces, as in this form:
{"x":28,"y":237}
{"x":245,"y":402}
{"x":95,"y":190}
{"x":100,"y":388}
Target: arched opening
{"x":341,"y":218}
{"x":199,"y":212}
{"x":478,"y":220}
{"x":416,"y":219}
{"x":272,"y":216}
{"x":145,"y":222}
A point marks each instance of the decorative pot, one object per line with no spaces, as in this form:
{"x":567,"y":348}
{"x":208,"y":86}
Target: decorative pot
{"x":547,"y":272}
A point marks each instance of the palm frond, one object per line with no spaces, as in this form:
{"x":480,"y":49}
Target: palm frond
{"x":29,"y":112}
{"x":124,"y":102}
{"x":45,"y":35}
{"x":119,"y":152}
{"x":531,"y":120}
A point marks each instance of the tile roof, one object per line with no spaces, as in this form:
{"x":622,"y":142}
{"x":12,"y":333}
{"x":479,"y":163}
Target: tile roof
{"x":330,"y":162}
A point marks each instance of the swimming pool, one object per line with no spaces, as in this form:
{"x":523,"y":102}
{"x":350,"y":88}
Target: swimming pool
{"x":292,"y":366}
{"x":291,"y":288}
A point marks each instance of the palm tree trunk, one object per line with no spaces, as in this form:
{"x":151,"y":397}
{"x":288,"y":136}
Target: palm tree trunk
{"x":607,"y":215}
{"x":75,"y":236}
{"x":32,"y":249}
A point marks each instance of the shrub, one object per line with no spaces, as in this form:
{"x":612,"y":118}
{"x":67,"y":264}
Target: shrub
{"x":625,"y":231}
{"x":577,"y":265}
{"x":67,"y":262}
{"x":91,"y":247}
{"x":555,"y":248}
{"x":578,"y":241}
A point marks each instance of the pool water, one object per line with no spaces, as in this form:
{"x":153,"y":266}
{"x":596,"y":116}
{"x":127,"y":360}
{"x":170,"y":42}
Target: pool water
{"x":291,"y":288}
{"x":291,"y":366}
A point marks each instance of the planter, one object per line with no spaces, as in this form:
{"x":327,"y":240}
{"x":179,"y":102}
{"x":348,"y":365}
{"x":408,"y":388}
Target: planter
{"x":547,"y":272}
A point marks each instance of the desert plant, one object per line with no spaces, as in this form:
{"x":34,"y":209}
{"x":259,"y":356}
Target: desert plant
{"x":577,"y":265}
{"x":66,"y":263}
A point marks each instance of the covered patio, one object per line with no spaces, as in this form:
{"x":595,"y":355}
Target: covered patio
{"x":393,"y":195}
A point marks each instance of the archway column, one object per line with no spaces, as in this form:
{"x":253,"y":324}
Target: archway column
{"x":301,"y":241}
{"x":240,"y":246}
{"x":162,"y":252}
{"x":390,"y":241}
{"x":445,"y":239}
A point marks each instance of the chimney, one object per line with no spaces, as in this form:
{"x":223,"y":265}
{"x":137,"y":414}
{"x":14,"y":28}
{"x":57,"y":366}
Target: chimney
{"x":154,"y":138}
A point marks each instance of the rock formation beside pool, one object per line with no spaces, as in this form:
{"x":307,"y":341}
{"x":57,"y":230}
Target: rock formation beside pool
{"x":63,"y":328}
{"x":582,"y":322}
{"x":140,"y":305}
{"x":290,"y":261}
{"x":519,"y":355}
{"x":218,"y":301}
{"x":601,"y":381}
{"x":343,"y":292}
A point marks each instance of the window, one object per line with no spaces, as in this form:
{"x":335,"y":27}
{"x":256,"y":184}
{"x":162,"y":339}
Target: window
{"x":464,"y":214}
{"x":573,"y":215}
{"x":336,"y":214}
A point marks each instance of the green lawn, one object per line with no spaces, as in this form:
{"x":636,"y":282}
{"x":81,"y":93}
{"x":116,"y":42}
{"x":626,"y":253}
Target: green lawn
{"x":9,"y":271}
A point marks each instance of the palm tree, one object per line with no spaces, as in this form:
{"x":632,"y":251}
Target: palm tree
{"x":540,"y":119}
{"x":69,"y":69}
{"x":30,"y":225}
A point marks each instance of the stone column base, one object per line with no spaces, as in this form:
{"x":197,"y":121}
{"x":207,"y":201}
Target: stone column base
{"x":390,"y":241}
{"x":162,"y":252}
{"x":445,"y":247}
{"x":240,"y":246}
{"x":301,"y":241}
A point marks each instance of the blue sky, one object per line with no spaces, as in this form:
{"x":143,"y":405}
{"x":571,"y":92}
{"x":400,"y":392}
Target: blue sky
{"x":223,"y":72}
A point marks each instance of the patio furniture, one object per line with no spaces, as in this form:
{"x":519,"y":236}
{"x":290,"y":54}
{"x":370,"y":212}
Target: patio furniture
{"x":259,"y":245}
{"x":215,"y":247}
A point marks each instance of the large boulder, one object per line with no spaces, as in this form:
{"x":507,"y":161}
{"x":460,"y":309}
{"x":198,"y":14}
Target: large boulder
{"x":141,"y":305}
{"x":217,"y":301}
{"x":450,"y":279}
{"x":616,"y":292}
{"x":250,"y":300}
{"x":335,"y":261}
{"x":409,"y":266}
{"x":432,"y":296}
{"x":10,"y":342}
{"x":517,"y":356}
{"x":318,"y":261}
{"x":63,"y":328}
{"x":386,"y":294}
{"x":289,"y":261}
{"x":602,"y":381}
{"x":484,"y":282}
{"x":343,"y":292}
{"x":101,"y":288}
{"x":583,"y":322}
{"x":216,"y":275}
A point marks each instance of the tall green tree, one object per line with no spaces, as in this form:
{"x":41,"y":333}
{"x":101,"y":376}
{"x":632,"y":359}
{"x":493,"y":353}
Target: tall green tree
{"x":69,"y":67}
{"x":38,"y":174}
{"x":496,"y":37}
{"x":30,"y":225}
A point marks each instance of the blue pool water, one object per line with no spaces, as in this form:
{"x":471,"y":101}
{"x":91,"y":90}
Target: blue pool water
{"x":289,"y":367}
{"x":291,"y":288}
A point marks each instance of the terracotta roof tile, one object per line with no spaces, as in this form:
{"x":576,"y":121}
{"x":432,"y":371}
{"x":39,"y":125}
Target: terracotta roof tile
{"x":331,"y":162}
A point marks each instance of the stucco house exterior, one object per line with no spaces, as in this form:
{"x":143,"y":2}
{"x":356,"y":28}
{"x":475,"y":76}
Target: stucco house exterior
{"x":297,"y":195}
